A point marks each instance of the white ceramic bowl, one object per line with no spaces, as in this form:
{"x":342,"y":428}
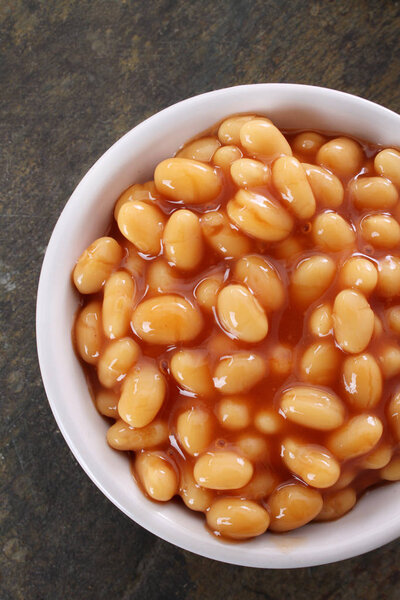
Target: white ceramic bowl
{"x":376,"y":518}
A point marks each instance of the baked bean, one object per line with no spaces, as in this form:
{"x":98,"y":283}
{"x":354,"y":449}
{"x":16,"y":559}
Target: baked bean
{"x":387,"y":164}
{"x":122,"y":436}
{"x":347,"y":476}
{"x":321,"y":322}
{"x":288,"y":248}
{"x":143,"y":393}
{"x":319,"y":363}
{"x":225,"y":156}
{"x":378,"y":458}
{"x":359,"y":273}
{"x":142,"y":224}
{"x":280,"y":360}
{"x":223,"y":236}
{"x":223,"y":470}
{"x":157,"y":475}
{"x":337,"y":504}
{"x":311,"y":278}
{"x":290,"y":180}
{"x":393,"y":318}
{"x":393,"y":412}
{"x":107,"y":403}
{"x":382,"y":231}
{"x":312,"y":407}
{"x":247,"y":172}
{"x":119,"y":294}
{"x":389,"y":360}
{"x":253,"y":447}
{"x":161,"y":277}
{"x":206,"y":292}
{"x":259,"y":216}
{"x":202,"y":149}
{"x":388,"y":277}
{"x":194,"y":496}
{"x":237,"y":519}
{"x":268,"y":422}
{"x":261,"y":485}
{"x":313,"y":464}
{"x":326,"y":187}
{"x":194,"y":429}
{"x":260,"y":137}
{"x":233,"y":412}
{"x":356,"y":437}
{"x":145,"y":192}
{"x":293,"y":505}
{"x":191,"y":371}
{"x":262,"y":279}
{"x":341,"y":155}
{"x":241,"y":314}
{"x":229,"y":130}
{"x":362,"y":380}
{"x":132,"y":262}
{"x":332,"y":233}
{"x":239,"y":372}
{"x":353,"y":321}
{"x":307,"y":143}
{"x":183,"y":242}
{"x":392,"y":471}
{"x":96,"y":264}
{"x":373,"y":193}
{"x":116,"y":360}
{"x":89,"y":332}
{"x":167,"y":319}
{"x":221,"y":345}
{"x":187,"y":181}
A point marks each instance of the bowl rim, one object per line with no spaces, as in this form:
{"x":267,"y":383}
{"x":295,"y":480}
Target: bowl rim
{"x":366,"y":540}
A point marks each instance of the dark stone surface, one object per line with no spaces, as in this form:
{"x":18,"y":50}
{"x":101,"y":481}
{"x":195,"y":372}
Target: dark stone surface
{"x":75,"y":76}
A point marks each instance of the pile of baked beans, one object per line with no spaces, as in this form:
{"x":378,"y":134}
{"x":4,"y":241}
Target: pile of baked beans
{"x":240,"y":324}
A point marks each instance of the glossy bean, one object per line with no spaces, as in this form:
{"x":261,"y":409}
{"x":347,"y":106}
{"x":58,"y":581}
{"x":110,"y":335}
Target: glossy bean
{"x":223,"y":470}
{"x":233,"y":412}
{"x":119,"y":294}
{"x":116,"y":360}
{"x":321,"y":322}
{"x":89,"y":332}
{"x":122,"y":436}
{"x":332,"y":233}
{"x":261,"y":138}
{"x":202,"y":149}
{"x":239,"y":372}
{"x":190,"y":369}
{"x":261,"y":277}
{"x":342,"y":156}
{"x":359,"y":273}
{"x":183,"y":242}
{"x":388,"y":277}
{"x":387,"y":164}
{"x":142,"y":224}
{"x":96,"y":264}
{"x":187,"y":181}
{"x":229,"y":130}
{"x":293,"y":505}
{"x":356,"y":437}
{"x":337,"y":504}
{"x":237,"y":519}
{"x":194,"y":429}
{"x":167,"y":319}
{"x":313,"y":464}
{"x":319,"y":363}
{"x":247,"y":172}
{"x":353,"y":321}
{"x":241,"y":314}
{"x":290,"y":180}
{"x":157,"y":475}
{"x":362,"y":381}
{"x":311,"y":278}
{"x":223,"y":236}
{"x":259,"y":216}
{"x":373,"y":193}
{"x":327,"y":188}
{"x":143,"y":393}
{"x":312,"y":407}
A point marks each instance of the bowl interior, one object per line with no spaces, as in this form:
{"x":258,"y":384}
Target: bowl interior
{"x":376,"y":518}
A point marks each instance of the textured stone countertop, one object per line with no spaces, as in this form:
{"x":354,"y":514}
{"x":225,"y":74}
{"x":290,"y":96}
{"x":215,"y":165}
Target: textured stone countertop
{"x":75,"y":76}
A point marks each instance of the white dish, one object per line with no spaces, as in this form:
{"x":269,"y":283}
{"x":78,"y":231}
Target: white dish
{"x":376,"y":518}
